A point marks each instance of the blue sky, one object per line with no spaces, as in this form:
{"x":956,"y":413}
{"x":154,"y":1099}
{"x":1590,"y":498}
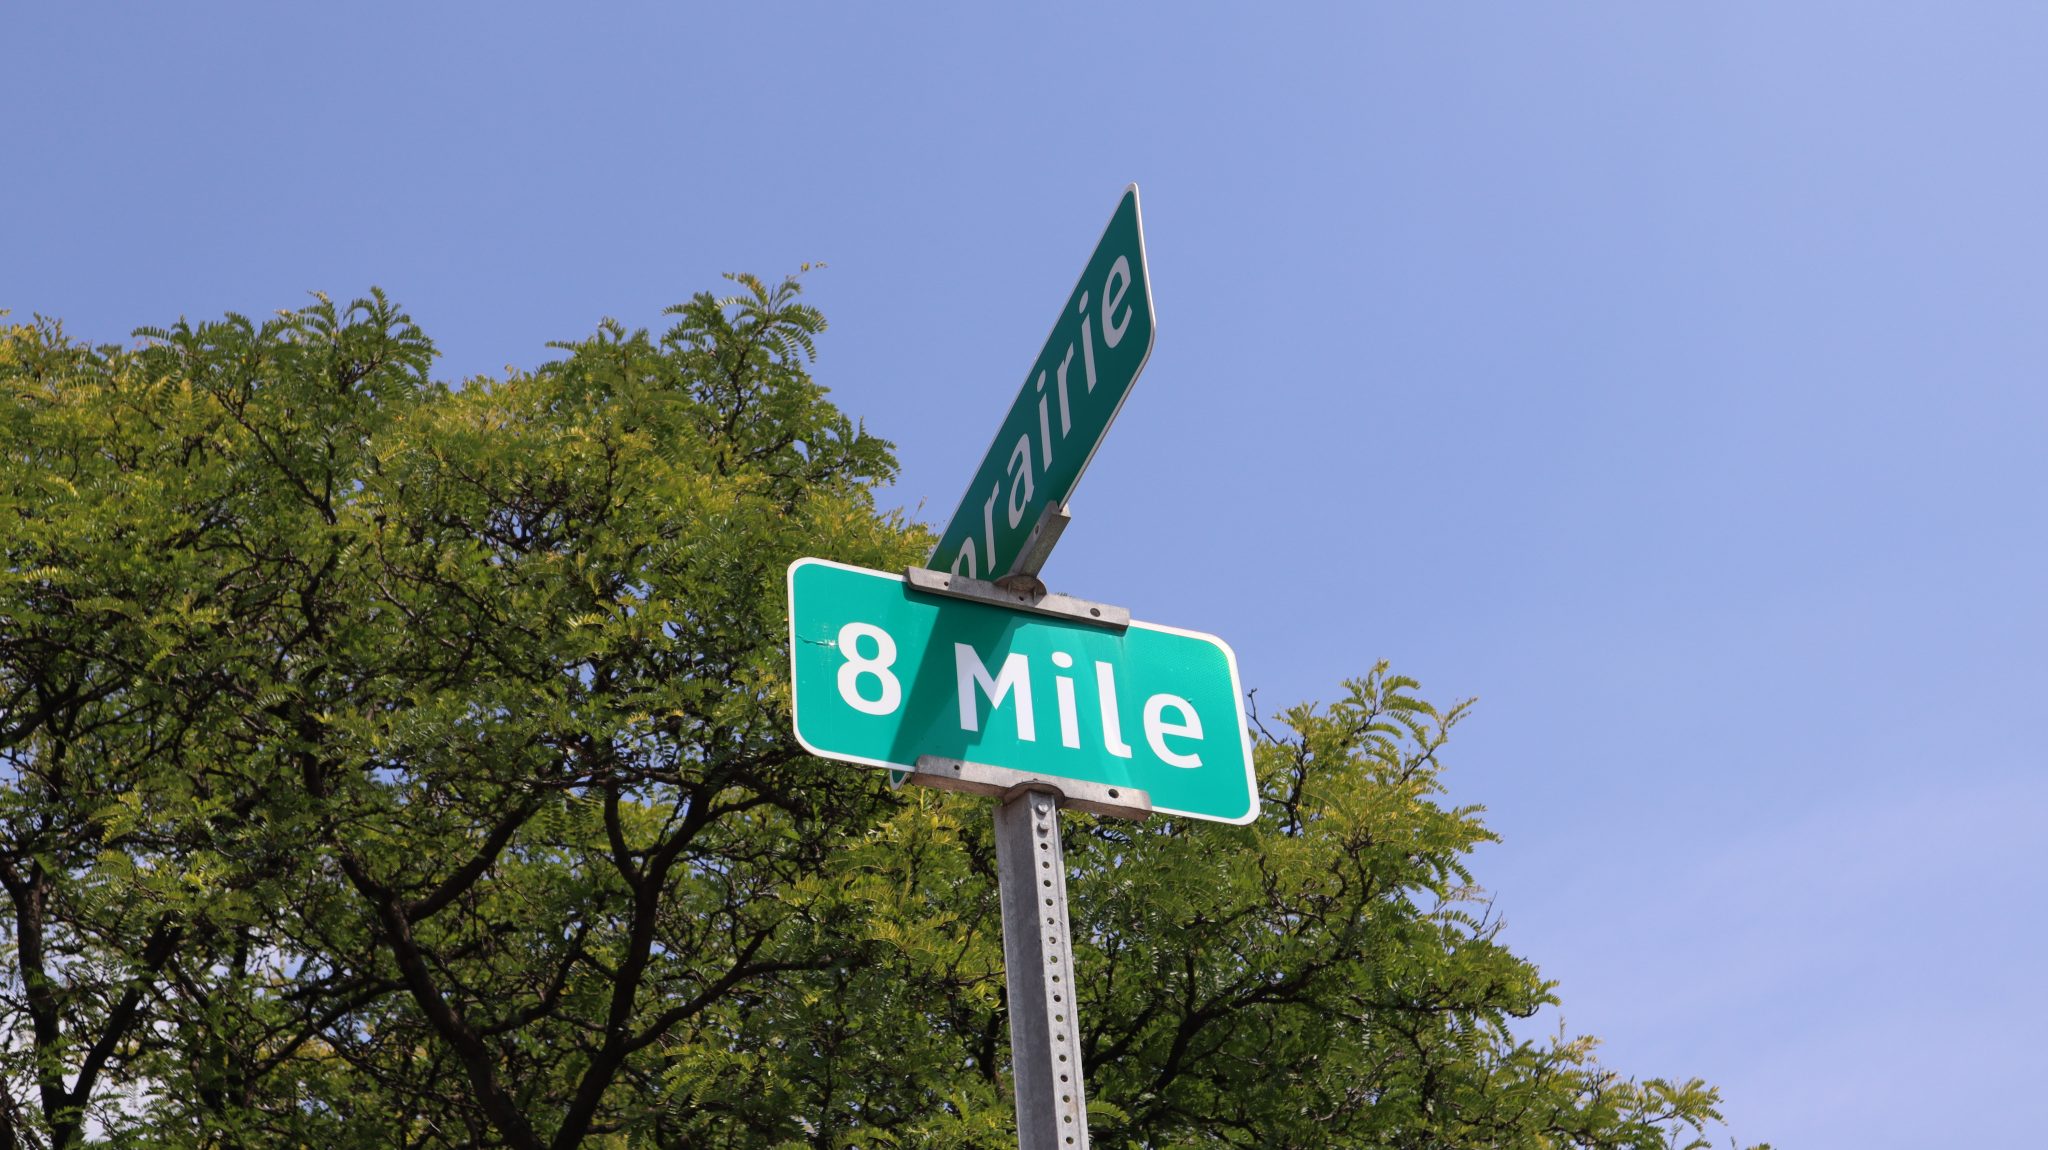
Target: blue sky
{"x":1670,"y":379}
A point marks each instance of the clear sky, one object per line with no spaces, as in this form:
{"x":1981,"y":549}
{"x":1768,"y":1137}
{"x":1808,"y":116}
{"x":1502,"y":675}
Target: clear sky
{"x":1671,"y":378}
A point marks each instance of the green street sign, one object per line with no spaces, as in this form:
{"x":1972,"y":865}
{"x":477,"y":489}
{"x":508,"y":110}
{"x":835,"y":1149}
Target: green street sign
{"x":884,"y":672}
{"x":1098,"y":346}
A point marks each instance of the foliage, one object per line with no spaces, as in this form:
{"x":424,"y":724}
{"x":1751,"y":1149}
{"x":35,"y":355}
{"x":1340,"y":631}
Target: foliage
{"x":385,"y":763}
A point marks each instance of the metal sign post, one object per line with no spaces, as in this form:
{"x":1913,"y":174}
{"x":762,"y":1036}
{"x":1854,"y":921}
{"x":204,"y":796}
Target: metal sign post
{"x":1038,"y":971}
{"x":1038,"y":954}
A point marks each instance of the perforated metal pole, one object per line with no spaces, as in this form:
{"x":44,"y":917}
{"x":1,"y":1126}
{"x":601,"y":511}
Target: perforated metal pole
{"x":1045,"y":1052}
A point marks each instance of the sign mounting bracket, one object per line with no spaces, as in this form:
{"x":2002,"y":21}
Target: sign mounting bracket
{"x":1028,"y":599}
{"x":1036,"y":549}
{"x":1117,"y":802}
{"x":1038,"y":971}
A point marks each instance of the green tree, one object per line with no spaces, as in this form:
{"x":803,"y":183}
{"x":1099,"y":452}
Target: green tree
{"x":385,"y":763}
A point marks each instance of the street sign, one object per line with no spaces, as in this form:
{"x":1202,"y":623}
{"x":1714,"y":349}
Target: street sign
{"x":1098,"y":346}
{"x":884,"y":672}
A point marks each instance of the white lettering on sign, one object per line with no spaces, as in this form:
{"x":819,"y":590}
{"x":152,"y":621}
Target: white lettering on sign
{"x":1045,"y":423}
{"x":974,"y":674}
{"x":1088,"y":340}
{"x":977,"y":558}
{"x":1020,"y":479}
{"x":857,"y":665}
{"x":1112,"y":727}
{"x":1166,"y":716}
{"x":1066,"y":423}
{"x":1070,"y":723}
{"x":1113,"y":298}
{"x":974,"y":683}
{"x":988,"y":525}
{"x":1157,"y":728}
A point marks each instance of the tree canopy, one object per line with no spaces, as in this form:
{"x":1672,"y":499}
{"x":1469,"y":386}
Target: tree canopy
{"x":391,"y":763}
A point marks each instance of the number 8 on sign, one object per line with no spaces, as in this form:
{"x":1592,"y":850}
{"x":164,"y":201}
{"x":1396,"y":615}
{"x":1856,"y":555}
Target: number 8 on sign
{"x":857,"y":665}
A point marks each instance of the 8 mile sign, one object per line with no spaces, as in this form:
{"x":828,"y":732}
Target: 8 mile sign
{"x":1098,"y":346}
{"x":885,"y":673}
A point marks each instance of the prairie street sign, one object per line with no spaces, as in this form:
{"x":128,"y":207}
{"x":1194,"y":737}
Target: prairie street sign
{"x":1098,"y":346}
{"x":884,"y":672}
